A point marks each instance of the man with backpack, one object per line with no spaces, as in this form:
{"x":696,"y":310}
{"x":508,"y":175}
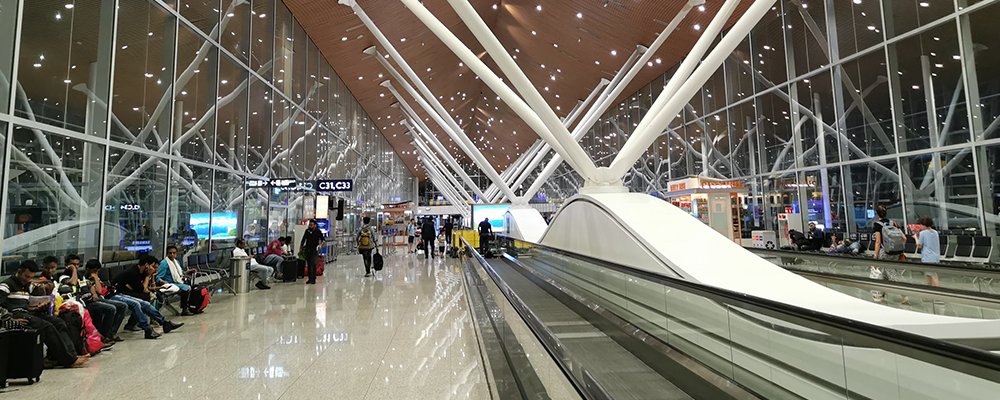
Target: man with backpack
{"x":889,"y":245}
{"x":366,"y":243}
{"x":427,"y":233}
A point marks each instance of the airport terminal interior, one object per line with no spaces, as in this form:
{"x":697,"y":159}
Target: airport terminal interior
{"x":500,"y":199}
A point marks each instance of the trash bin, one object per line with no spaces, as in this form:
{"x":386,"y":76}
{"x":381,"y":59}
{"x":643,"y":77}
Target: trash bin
{"x":241,"y":272}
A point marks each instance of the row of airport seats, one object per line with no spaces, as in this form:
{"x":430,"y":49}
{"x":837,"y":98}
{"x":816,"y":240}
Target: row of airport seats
{"x":957,"y":248}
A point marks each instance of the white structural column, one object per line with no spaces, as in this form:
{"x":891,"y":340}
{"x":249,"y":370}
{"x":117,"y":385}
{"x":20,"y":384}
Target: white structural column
{"x":571,"y":150}
{"x":540,"y":107}
{"x":456,"y":132}
{"x":633,"y":66}
{"x":658,"y":117}
{"x":409,"y":111}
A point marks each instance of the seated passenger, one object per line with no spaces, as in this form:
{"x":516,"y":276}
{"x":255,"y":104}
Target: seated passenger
{"x":836,"y":245}
{"x":273,"y":256}
{"x":15,"y":296}
{"x":106,"y":314}
{"x":263,"y":272}
{"x":128,"y":287}
{"x":170,"y":271}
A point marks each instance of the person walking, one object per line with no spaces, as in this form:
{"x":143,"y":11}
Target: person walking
{"x":929,"y":247}
{"x":367,"y":243}
{"x":411,"y":236}
{"x":485,"y":233}
{"x":312,"y":239}
{"x":427,"y":233}
{"x":449,"y":227}
{"x":889,"y":243}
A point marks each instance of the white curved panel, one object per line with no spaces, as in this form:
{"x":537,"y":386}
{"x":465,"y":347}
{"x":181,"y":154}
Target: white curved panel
{"x":667,"y":238}
{"x":525,"y":223}
{"x":581,"y":228}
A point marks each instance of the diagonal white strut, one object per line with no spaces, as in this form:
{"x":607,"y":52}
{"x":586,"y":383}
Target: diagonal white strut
{"x":538,"y":115}
{"x":408,"y":111}
{"x":454,"y":130}
{"x":454,"y":185}
{"x":421,"y":146}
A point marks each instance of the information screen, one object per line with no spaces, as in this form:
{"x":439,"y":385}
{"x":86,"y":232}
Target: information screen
{"x":495,"y":212}
{"x":223,"y":225}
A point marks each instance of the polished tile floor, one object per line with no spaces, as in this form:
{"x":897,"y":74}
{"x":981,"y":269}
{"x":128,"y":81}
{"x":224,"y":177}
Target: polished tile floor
{"x":405,"y":334}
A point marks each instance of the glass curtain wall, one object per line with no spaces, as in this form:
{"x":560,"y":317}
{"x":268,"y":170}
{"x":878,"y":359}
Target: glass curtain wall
{"x":127,"y":126}
{"x":834,"y":109}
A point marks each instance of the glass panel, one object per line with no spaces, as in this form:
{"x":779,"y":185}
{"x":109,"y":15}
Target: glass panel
{"x":236,"y":36}
{"x":8,"y":16}
{"x":255,"y":216}
{"x":929,"y":69}
{"x":875,"y":183}
{"x":65,"y":59}
{"x":262,"y":38}
{"x":859,"y":25}
{"x":282,"y":49}
{"x":868,"y":114}
{"x":230,"y":147}
{"x":143,"y":75}
{"x":907,"y":15}
{"x":942,"y":186}
{"x":818,"y":141}
{"x":227,"y":209}
{"x":769,"y":50}
{"x":774,"y":129}
{"x":189,"y":210}
{"x":806,"y":27}
{"x":53,"y":204}
{"x":135,"y":208}
{"x":259,"y":128}
{"x":204,"y":14}
{"x":197,"y":61}
{"x":982,"y":28}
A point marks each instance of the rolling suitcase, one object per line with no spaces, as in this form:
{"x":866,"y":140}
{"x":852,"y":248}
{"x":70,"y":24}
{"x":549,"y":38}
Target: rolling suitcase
{"x":4,"y":356}
{"x":289,"y":269}
{"x":25,"y":355}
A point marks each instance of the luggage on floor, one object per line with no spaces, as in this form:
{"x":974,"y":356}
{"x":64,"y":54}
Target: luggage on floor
{"x":320,"y":266}
{"x":200,"y":297}
{"x":74,"y":322}
{"x":4,"y":356}
{"x":25,"y":355}
{"x":289,"y":270}
{"x":377,"y":262}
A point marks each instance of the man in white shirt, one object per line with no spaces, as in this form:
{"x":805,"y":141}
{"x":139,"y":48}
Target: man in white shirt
{"x":263,"y":272}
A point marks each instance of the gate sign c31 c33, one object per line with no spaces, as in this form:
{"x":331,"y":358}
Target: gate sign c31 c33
{"x":335,"y":185}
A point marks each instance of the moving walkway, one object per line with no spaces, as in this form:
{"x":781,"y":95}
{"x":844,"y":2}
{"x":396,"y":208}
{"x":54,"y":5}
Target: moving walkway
{"x":964,"y":291}
{"x":619,"y":332}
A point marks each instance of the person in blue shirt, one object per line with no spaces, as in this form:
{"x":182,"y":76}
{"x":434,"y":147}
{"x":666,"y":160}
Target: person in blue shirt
{"x":170,"y":271}
{"x":929,"y":246}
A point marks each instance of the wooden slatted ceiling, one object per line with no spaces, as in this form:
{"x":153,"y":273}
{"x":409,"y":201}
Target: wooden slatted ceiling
{"x":582,"y":55}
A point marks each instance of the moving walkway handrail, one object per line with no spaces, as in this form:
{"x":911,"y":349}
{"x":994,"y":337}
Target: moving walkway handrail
{"x":923,"y":267}
{"x":950,"y":355}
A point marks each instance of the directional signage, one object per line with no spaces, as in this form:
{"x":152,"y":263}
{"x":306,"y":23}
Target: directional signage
{"x":335,"y":185}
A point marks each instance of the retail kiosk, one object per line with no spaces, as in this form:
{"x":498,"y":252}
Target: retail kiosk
{"x":715,"y":202}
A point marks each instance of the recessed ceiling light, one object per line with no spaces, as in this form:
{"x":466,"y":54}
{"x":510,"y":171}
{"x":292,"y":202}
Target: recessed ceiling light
{"x":538,"y":7}
{"x":579,"y":15}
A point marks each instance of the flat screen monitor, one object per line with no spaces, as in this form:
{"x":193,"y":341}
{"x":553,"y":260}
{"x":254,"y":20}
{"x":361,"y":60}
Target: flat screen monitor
{"x":223,"y":225}
{"x":495,"y":213}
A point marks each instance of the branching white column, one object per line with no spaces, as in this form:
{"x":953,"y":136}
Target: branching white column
{"x":661,"y":114}
{"x":556,"y":135}
{"x":453,"y":129}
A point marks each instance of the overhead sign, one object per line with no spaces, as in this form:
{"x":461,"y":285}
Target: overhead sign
{"x":335,"y":185}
